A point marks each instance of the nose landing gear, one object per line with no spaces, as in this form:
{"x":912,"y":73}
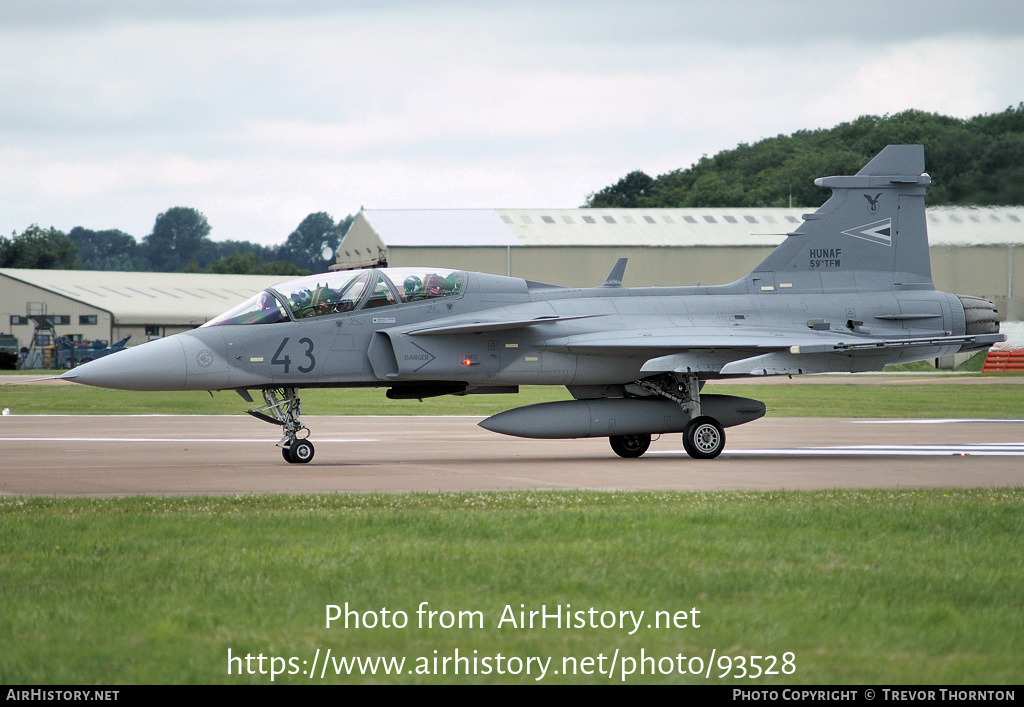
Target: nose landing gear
{"x":283,"y":408}
{"x":298,"y":452}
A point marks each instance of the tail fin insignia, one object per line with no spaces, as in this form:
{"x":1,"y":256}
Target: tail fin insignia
{"x":876,"y":218}
{"x":879,"y":232}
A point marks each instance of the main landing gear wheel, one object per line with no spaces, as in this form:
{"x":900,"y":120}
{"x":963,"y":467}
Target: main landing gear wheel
{"x":704,"y":438}
{"x":298,"y":452}
{"x":630,"y":446}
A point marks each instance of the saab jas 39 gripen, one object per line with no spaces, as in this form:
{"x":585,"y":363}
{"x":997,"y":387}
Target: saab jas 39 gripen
{"x":849,"y":290}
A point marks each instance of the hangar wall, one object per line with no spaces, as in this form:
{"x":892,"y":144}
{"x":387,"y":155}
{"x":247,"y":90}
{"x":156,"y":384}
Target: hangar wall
{"x":994,"y":272}
{"x":587,"y":266}
{"x":112,"y":305}
{"x":19,"y":299}
{"x":361,"y":246}
{"x":974,"y":250}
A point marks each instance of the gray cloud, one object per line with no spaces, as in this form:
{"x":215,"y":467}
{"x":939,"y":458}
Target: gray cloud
{"x":260,"y":112}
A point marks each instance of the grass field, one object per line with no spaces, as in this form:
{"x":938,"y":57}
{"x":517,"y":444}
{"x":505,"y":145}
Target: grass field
{"x":839,"y":587}
{"x":902,"y":397}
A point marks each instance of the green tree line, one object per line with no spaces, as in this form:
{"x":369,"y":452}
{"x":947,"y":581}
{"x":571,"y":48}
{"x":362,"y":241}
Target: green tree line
{"x":975,"y":161}
{"x":179,"y":242}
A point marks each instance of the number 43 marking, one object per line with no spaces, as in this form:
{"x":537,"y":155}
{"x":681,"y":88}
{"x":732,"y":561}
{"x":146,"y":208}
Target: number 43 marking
{"x":286,"y":360}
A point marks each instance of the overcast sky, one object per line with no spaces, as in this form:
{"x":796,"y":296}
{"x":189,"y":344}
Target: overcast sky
{"x":259,"y":112}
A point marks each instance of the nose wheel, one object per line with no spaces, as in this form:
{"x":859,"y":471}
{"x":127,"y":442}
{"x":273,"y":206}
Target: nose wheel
{"x":298,"y":452}
{"x":283,"y":408}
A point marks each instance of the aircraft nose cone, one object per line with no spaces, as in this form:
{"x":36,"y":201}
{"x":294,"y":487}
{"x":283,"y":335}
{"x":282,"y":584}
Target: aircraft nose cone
{"x":156,"y":365}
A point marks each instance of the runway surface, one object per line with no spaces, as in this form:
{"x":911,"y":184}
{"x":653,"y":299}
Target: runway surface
{"x":122,"y":455}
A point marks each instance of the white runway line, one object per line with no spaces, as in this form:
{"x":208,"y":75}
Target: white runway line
{"x":985,"y":451}
{"x":952,"y":421}
{"x":908,"y":450}
{"x":183,"y":440}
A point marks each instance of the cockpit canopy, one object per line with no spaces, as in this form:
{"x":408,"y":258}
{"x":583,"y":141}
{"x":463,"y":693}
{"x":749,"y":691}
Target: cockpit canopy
{"x":343,"y":291}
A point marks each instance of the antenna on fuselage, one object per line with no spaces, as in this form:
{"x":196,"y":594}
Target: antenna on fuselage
{"x":614,"y":278}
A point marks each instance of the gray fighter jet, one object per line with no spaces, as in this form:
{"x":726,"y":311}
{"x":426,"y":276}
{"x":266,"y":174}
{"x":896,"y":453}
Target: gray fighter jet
{"x":849,"y":290}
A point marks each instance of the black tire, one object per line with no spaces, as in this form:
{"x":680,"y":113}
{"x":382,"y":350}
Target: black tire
{"x":704,"y":438}
{"x":630,"y":446}
{"x":286,"y":452}
{"x":300,"y":451}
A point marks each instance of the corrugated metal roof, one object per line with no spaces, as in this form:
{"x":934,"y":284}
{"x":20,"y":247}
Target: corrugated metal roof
{"x":651,"y":227}
{"x":149,"y":297}
{"x":449,"y":227}
{"x":976,"y":225}
{"x":947,"y":225}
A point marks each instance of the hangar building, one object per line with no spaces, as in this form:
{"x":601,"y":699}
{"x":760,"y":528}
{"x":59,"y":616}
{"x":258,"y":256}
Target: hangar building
{"x":974,"y":251}
{"x":88,"y":305}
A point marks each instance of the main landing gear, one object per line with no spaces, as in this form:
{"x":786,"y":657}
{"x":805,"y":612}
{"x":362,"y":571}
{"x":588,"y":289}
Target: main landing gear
{"x":283,"y":408}
{"x":703,"y":436}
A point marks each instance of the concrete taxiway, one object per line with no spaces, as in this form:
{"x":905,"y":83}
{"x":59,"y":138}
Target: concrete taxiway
{"x":121,"y":455}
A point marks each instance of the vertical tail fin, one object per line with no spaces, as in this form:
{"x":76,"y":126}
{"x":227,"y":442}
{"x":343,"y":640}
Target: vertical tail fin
{"x":870,"y":235}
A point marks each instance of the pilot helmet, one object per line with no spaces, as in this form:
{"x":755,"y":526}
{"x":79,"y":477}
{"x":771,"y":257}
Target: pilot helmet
{"x":413,"y":285}
{"x":302,"y":298}
{"x":435,"y":285}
